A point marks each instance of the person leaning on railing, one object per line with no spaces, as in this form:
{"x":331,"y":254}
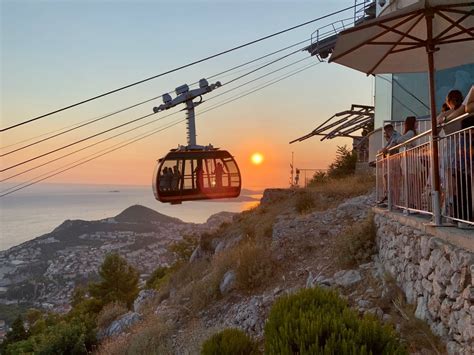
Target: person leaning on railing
{"x":457,"y":160}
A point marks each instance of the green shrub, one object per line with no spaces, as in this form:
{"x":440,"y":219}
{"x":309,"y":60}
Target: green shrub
{"x":318,"y":321}
{"x":184,"y":248}
{"x":304,"y":202}
{"x":158,"y":277}
{"x":356,"y":245}
{"x":229,"y":342}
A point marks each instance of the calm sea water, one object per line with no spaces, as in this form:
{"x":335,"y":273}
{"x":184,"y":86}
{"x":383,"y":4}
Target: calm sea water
{"x":31,"y":213}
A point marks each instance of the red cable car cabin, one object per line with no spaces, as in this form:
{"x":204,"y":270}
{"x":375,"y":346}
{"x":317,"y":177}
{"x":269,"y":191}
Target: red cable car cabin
{"x":189,"y":175}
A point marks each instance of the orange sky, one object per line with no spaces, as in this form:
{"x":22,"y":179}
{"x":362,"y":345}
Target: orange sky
{"x":37,"y":78}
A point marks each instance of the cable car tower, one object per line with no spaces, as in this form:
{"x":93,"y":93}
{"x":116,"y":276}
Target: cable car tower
{"x":194,"y":172}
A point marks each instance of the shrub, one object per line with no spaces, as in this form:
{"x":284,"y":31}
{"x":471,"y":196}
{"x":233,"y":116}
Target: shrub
{"x":304,"y":202}
{"x":109,"y":313}
{"x":148,"y":337}
{"x":229,"y":342}
{"x":158,"y":277}
{"x":184,"y":248}
{"x":318,"y":321}
{"x":357,"y":243}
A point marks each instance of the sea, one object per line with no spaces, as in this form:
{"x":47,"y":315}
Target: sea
{"x":33,"y":212}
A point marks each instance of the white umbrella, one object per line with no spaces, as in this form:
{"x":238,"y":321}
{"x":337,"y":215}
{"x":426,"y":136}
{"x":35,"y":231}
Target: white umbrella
{"x":424,"y":36}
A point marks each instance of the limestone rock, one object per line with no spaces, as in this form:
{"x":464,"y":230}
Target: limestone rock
{"x":347,"y":278}
{"x":228,"y":282}
{"x":120,"y":325}
{"x":143,"y":297}
{"x":421,"y":309}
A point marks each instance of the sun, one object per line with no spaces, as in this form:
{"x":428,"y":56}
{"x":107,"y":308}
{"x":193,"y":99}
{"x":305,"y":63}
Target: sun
{"x":256,"y":158}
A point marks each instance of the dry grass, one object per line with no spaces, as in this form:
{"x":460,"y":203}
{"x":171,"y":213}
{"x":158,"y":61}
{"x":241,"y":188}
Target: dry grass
{"x":304,"y":202}
{"x":340,"y":189}
{"x":109,"y":313}
{"x":356,"y":244}
{"x":415,"y":333}
{"x":148,"y":337}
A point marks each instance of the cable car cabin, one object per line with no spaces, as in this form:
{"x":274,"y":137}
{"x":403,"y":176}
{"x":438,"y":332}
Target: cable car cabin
{"x":196,"y":175}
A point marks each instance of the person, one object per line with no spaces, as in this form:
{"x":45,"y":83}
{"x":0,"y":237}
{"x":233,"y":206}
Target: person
{"x":163,"y":179}
{"x":199,"y":173}
{"x":407,"y":169}
{"x":390,"y":135}
{"x":454,"y":101}
{"x":175,"y":179}
{"x":409,"y":131}
{"x":218,"y":172}
{"x":168,"y":179}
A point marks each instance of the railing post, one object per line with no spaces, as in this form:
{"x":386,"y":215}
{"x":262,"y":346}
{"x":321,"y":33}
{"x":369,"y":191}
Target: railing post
{"x":405,"y":177}
{"x":389,"y":195}
{"x":435,"y":197}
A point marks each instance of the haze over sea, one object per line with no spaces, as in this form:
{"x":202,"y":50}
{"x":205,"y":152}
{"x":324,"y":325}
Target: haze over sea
{"x":28,"y":214}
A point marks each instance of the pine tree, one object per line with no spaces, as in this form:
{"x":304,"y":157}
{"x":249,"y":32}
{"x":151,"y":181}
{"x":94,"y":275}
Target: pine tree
{"x":15,"y":334}
{"x":119,"y":281}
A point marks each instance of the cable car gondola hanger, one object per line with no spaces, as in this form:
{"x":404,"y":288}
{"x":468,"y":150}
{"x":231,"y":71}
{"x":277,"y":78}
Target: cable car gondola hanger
{"x":194,"y":172}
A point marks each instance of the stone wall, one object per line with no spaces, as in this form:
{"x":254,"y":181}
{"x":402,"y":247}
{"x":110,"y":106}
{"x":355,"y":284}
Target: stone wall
{"x":436,"y":275}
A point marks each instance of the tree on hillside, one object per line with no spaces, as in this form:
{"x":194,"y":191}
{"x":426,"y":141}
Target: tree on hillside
{"x":119,"y":281}
{"x":344,"y":164}
{"x":16,"y":333}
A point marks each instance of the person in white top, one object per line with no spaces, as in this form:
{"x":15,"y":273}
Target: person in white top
{"x":409,"y":131}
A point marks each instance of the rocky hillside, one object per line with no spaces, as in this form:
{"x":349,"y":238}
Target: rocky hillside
{"x":44,"y":271}
{"x":294,"y":239}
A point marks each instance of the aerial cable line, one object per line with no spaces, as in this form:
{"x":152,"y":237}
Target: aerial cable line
{"x":79,"y":126}
{"x":135,"y":120}
{"x":177,"y":68}
{"x":86,"y":147}
{"x":138,"y":138}
{"x":148,"y":123}
{"x":88,"y":122}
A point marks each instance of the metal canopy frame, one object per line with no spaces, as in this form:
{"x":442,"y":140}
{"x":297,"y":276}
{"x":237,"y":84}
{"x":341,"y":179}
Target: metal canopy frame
{"x":343,"y":124}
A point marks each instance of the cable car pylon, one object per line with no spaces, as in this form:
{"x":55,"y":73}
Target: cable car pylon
{"x":194,"y":172}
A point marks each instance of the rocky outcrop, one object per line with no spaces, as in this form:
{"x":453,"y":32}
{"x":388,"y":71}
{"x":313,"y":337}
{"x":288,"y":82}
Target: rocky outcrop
{"x":436,"y":276}
{"x":143,"y":298}
{"x":120,"y":325}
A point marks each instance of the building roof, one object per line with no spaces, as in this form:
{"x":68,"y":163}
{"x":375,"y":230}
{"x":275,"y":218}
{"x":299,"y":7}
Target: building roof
{"x":343,"y":124}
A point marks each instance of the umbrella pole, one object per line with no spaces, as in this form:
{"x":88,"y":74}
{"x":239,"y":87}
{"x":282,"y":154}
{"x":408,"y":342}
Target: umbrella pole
{"x":430,"y":49}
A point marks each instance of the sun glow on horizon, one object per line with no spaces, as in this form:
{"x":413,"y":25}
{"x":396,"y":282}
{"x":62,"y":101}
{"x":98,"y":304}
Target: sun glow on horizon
{"x":256,"y":158}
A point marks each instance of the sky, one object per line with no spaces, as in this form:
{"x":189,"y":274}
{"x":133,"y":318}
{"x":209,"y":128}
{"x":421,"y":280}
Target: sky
{"x":54,"y":53}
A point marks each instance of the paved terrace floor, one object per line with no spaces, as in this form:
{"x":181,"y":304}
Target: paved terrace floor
{"x":463,"y":238}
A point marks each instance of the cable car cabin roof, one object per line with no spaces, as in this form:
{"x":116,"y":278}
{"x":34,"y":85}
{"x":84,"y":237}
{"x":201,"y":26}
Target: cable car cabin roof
{"x":196,"y":154}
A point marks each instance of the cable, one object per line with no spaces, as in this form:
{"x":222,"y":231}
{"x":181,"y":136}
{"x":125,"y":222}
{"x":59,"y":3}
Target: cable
{"x":143,"y":125}
{"x":176,"y":69}
{"x":133,"y":121}
{"x":80,"y":126}
{"x":90,"y":121}
{"x":30,"y":182}
{"x":84,"y":148}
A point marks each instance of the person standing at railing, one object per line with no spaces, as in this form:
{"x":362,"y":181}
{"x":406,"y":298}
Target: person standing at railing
{"x":391,"y":136}
{"x":408,"y":170}
{"x":454,"y":101}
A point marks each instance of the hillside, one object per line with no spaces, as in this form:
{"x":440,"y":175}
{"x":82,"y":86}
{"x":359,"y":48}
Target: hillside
{"x":294,"y":239}
{"x":44,"y":271}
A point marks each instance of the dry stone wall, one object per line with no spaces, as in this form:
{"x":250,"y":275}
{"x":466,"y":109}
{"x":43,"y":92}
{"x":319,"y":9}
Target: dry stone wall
{"x":436,"y":276}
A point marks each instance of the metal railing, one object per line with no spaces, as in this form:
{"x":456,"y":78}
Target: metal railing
{"x":404,"y":175}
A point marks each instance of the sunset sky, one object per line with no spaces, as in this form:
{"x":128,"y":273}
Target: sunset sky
{"x":55,"y":53}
